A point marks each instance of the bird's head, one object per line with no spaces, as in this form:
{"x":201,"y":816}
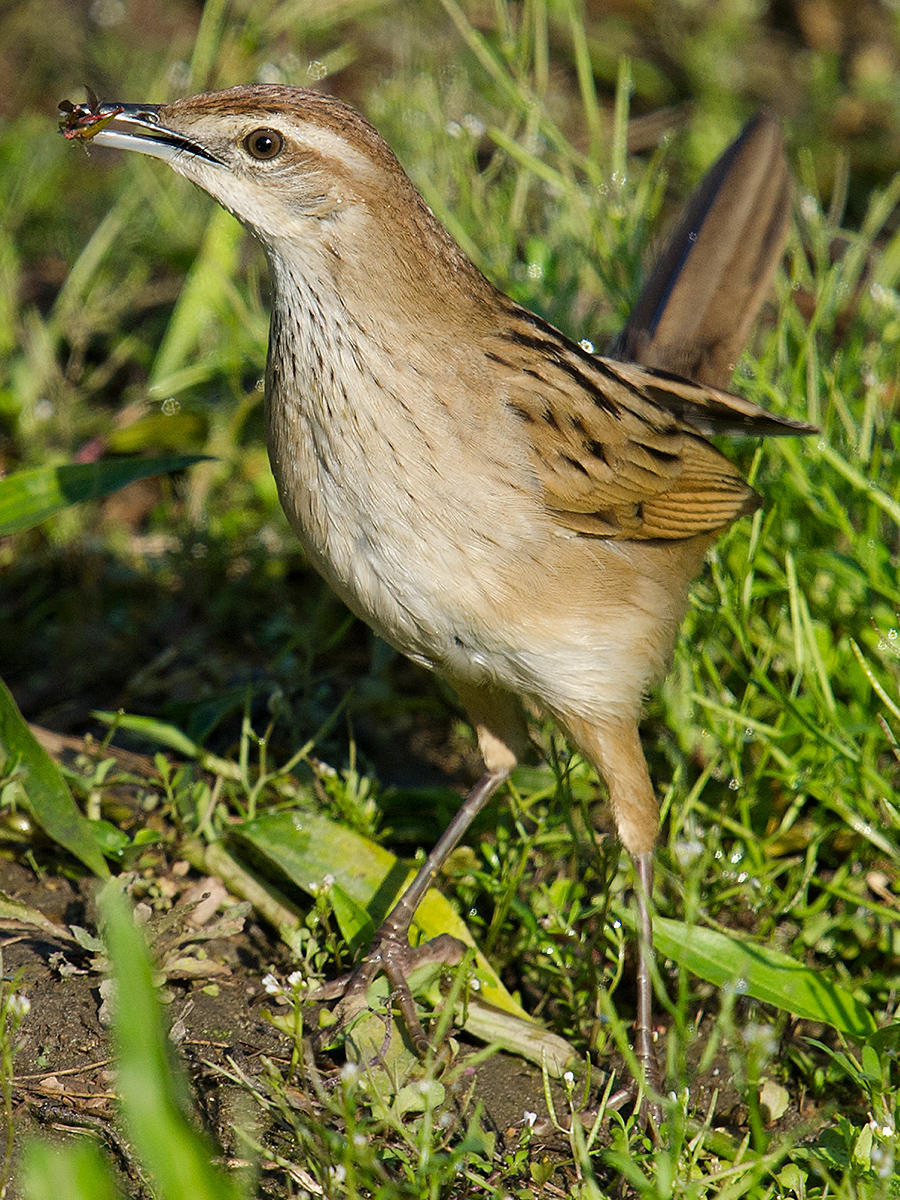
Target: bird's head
{"x":302,"y":169}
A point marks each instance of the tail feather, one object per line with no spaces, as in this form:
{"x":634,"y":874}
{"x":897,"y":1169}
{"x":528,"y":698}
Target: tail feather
{"x":695,"y":313}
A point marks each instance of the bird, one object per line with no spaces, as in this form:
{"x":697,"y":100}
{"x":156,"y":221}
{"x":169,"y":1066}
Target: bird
{"x":507,"y":508}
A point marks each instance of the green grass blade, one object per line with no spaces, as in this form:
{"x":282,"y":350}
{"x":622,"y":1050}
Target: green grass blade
{"x":877,"y":687}
{"x":208,"y":45}
{"x":75,"y":1171}
{"x":153,"y":1091}
{"x":45,"y":790}
{"x":853,"y":475}
{"x":166,"y":734}
{"x":207,"y":287}
{"x":73,"y":293}
{"x":155,"y":731}
{"x":29,"y":497}
{"x":765,"y":974}
{"x":587,"y":85}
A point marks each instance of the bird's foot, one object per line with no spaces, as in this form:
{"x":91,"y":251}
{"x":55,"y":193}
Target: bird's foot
{"x":391,"y":955}
{"x":641,"y":1094}
{"x":650,"y":1113}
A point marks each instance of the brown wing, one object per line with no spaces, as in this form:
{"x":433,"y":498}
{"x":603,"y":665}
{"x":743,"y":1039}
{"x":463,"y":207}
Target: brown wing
{"x":616,"y":447}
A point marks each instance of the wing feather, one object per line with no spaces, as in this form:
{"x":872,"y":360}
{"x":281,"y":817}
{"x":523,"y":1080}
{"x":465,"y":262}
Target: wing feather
{"x":618,"y":448}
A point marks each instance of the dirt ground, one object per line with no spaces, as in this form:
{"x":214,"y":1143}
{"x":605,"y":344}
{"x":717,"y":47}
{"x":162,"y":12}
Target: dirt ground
{"x":64,"y":1077}
{"x":64,"y":1071}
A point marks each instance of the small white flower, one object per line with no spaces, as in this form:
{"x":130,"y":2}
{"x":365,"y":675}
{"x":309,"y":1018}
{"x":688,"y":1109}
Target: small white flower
{"x":883,"y":296}
{"x":271,"y":985}
{"x":808,"y":205}
{"x":885,"y":1131}
{"x":19,"y":1005}
{"x":529,"y":1118}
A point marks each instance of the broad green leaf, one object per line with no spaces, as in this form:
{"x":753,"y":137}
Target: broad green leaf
{"x":356,"y":926}
{"x":45,"y":790}
{"x":175,"y":432}
{"x":886,"y":1041}
{"x":29,"y":497}
{"x":765,"y":974}
{"x":153,"y":1091}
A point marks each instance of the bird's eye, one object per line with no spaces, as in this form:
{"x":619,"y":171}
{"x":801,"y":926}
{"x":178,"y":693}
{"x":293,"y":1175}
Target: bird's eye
{"x":264,"y":143}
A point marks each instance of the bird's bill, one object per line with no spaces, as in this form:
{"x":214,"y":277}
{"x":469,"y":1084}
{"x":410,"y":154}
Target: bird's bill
{"x":128,"y":127}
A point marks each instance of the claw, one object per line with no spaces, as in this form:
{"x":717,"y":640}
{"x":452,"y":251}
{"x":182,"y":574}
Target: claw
{"x":392,"y":956}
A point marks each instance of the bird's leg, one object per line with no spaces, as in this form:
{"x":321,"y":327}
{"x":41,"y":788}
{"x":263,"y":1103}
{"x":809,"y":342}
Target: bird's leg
{"x":643,"y":1023}
{"x":391,"y":952}
{"x":643,"y":1033}
{"x":502,"y":732}
{"x":614,"y":746}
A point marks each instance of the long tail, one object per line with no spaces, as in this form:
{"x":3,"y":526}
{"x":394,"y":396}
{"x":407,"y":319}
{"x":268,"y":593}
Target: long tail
{"x":695,"y":313}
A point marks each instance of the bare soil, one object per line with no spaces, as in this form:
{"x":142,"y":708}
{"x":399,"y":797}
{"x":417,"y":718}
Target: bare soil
{"x":64,"y":1082}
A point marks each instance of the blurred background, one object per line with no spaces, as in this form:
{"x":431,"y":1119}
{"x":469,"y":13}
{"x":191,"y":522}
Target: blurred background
{"x":828,"y":67}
